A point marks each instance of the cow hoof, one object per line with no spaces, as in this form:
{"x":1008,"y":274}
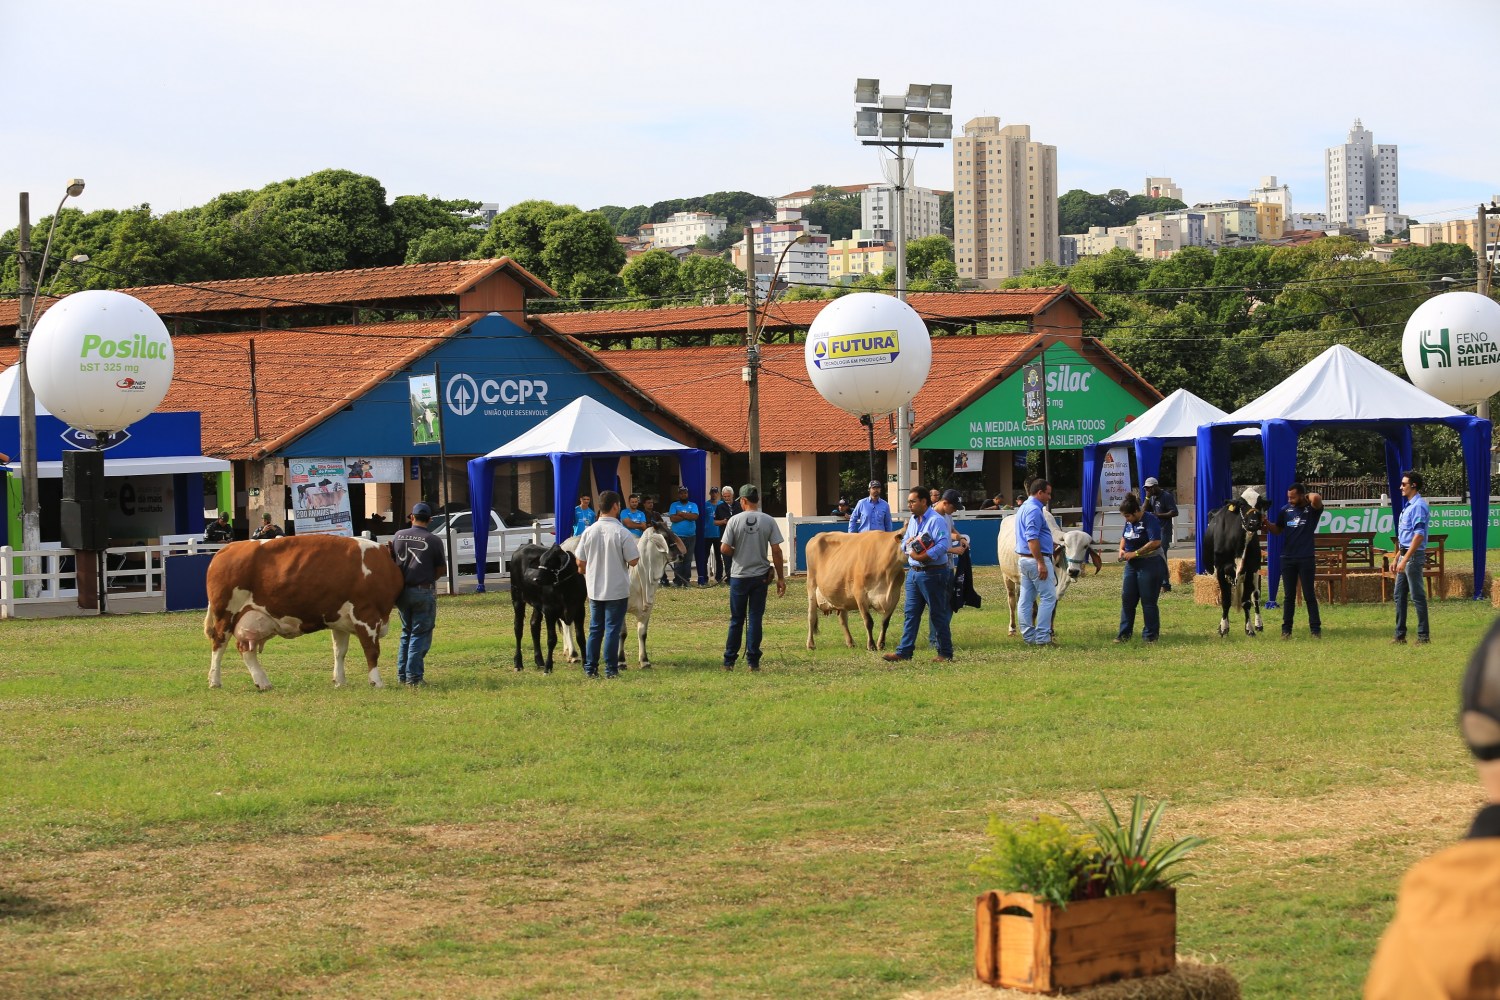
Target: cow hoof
{"x":1011,"y":632}
{"x":519,"y":668}
{"x":643,"y":666}
{"x":376,"y":684}
{"x":338,"y":684}
{"x":263,"y":687}
{"x":213,"y":685}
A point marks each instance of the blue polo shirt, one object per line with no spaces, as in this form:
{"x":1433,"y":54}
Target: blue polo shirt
{"x":1414,"y":521}
{"x":1136,"y":535}
{"x":935,"y":525}
{"x":635,"y":520}
{"x":582,"y":518}
{"x":683,"y":529}
{"x":1298,"y":525}
{"x":1033,"y":525}
{"x":870,"y":515}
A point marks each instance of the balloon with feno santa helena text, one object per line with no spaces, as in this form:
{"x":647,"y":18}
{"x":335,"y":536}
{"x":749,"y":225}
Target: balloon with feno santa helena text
{"x":868,"y":353}
{"x":100,"y":360}
{"x":1452,"y":347}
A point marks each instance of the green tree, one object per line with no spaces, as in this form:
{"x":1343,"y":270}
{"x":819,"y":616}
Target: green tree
{"x":1433,"y":263}
{"x":709,"y":279}
{"x":1117,"y":196}
{"x":945,"y":211}
{"x":443,"y":244}
{"x":653,"y":274}
{"x":581,"y":256}
{"x":1078,"y":211}
{"x":927,"y":253}
{"x":413,"y":216}
{"x":520,"y":233}
{"x":336,"y":219}
{"x":834,"y":211}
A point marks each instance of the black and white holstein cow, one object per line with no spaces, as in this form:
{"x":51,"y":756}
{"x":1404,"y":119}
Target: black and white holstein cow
{"x":547,"y":580}
{"x":1233,"y":541}
{"x":1070,"y":551}
{"x":645,"y":578}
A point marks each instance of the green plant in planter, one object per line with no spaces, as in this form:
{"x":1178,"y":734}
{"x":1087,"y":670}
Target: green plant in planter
{"x":1129,"y":864}
{"x":1044,"y":857}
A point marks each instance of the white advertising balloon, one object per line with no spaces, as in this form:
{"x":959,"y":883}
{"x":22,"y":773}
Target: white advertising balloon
{"x":1452,"y":347}
{"x":100,"y":360}
{"x":868,"y":353}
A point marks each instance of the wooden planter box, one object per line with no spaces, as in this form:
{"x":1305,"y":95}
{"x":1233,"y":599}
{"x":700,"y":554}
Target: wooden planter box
{"x":1025,"y":943}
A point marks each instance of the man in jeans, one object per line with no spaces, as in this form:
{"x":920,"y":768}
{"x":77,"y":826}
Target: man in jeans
{"x":1411,"y":538}
{"x":605,"y":553}
{"x":684,"y":517}
{"x":747,"y":537}
{"x":1034,"y":544}
{"x":1296,"y":523}
{"x":929,"y":579}
{"x":419,"y":553}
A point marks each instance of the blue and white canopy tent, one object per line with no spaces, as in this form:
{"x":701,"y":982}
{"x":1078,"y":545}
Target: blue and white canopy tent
{"x":1173,"y":422}
{"x":583,"y":428}
{"x":1340,"y":388}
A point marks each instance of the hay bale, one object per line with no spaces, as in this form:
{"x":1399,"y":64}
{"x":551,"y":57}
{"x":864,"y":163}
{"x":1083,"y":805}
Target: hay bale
{"x":1181,"y":570}
{"x":1189,"y":981}
{"x":1364,"y":588}
{"x":1458,"y":584}
{"x":1206,"y":590}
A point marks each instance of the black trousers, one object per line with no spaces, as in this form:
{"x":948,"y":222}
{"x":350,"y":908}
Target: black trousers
{"x":1294,"y":571}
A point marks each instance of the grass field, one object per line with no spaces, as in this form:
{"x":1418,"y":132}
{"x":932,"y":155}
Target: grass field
{"x":683,"y":832}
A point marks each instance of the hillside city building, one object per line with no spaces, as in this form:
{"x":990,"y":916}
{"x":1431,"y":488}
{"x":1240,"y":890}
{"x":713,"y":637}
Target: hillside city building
{"x":1162,"y":187}
{"x":1361,"y":176}
{"x":877,"y":206}
{"x":1272,"y":193}
{"x":684,"y":229}
{"x":1004,"y":201}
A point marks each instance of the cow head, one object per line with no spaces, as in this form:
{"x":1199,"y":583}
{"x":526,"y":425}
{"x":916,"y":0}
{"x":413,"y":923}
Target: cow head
{"x":1077,"y":549}
{"x":654,"y":553}
{"x":555,"y":566}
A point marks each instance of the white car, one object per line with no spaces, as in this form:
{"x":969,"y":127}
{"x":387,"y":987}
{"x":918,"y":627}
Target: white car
{"x":504,"y":538}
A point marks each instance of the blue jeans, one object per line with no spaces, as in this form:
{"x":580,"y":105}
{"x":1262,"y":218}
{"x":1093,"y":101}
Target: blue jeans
{"x":418,"y":609}
{"x":1409,"y":582}
{"x":1044,"y":593}
{"x":1293,"y":571}
{"x":747,"y":606}
{"x":930,"y":590}
{"x":607,"y":623}
{"x":1143,"y":580}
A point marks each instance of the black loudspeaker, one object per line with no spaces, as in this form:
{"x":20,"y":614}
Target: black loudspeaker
{"x":85,"y":525}
{"x":83,"y":476}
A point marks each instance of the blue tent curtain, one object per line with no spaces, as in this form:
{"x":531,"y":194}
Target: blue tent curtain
{"x":1214,"y":481}
{"x":1091,"y":472}
{"x":1476,"y":436}
{"x":606,"y":473}
{"x":1147,"y":463}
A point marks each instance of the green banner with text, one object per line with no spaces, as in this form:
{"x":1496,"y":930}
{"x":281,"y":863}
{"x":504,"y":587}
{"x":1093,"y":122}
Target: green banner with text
{"x":1453,"y":520}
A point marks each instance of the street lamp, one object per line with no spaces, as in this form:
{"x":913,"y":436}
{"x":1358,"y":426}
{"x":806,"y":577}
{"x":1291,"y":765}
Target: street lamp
{"x":31,"y":522}
{"x":753,"y":327}
{"x":898,"y":121}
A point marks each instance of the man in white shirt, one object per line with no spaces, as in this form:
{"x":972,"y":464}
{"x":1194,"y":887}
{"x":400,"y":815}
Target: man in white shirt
{"x":606,"y":551}
{"x":747,"y":537}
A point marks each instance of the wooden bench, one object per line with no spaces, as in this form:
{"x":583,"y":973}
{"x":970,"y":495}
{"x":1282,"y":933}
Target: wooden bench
{"x":1336,"y":555}
{"x":1433,"y":570}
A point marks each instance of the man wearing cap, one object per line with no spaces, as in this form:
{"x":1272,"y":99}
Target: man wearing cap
{"x":842,"y":511}
{"x":1034,"y":551}
{"x":872,"y":513}
{"x":1411,"y":537}
{"x":419,"y":553}
{"x":747,"y":538}
{"x":268,"y":529}
{"x":684,"y":517}
{"x":1161,"y":503}
{"x":1296,"y":524}
{"x":929,"y":580}
{"x":1443,"y":941}
{"x":605,"y":554}
{"x":219,"y":530}
{"x":949,"y":503}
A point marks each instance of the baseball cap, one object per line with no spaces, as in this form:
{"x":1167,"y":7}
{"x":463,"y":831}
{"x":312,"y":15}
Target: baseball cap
{"x":1479,"y":701}
{"x":750,"y":492}
{"x":1151,"y":481}
{"x":682,"y":489}
{"x":875,"y":484}
{"x":952,"y":496}
{"x":421,"y":511}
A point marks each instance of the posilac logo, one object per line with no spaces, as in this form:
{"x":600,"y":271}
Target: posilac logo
{"x":1431,"y":343}
{"x":140,"y":346}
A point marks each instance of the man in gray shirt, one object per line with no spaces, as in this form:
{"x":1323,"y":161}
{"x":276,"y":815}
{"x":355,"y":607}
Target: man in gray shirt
{"x":419,"y":553}
{"x":747,"y":537}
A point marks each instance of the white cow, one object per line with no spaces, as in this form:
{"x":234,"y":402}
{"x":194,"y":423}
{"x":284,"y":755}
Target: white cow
{"x":645,"y":576}
{"x":1070,"y":550}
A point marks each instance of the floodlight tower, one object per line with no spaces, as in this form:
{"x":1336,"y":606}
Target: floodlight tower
{"x":901,"y":121}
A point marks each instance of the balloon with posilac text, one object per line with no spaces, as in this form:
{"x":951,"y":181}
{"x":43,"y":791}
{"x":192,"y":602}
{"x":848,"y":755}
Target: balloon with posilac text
{"x":868,"y":353}
{"x":100,"y":360}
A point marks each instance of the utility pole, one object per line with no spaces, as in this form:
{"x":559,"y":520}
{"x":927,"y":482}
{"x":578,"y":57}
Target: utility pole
{"x":751,"y":371}
{"x":31,"y":518}
{"x":903,"y":416}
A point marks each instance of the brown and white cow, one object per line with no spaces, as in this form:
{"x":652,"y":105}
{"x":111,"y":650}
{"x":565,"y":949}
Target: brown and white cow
{"x":863,"y":572}
{"x":297,"y":584}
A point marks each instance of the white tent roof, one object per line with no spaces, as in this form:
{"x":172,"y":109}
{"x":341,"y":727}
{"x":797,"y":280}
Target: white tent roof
{"x":1177,"y":416}
{"x":586,"y":427}
{"x":1342,"y":385}
{"x":137,"y":466}
{"x":10,"y":393}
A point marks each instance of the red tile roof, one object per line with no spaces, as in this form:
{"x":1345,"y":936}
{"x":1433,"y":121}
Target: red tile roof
{"x":375,"y":284}
{"x":846,"y":188}
{"x":941,"y":308}
{"x":702,"y":386}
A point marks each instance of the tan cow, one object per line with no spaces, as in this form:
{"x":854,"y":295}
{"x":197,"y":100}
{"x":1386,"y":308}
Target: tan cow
{"x":298,"y":584}
{"x":863,"y":572}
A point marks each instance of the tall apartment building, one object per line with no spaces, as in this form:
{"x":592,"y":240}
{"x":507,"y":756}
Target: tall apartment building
{"x":805,"y":263}
{"x":877,"y":209}
{"x":1460,"y":231}
{"x":1161,"y":187}
{"x":684,"y":229}
{"x":1004,"y":201}
{"x":1361,"y":176}
{"x":866,"y":251}
{"x":1272,"y":193}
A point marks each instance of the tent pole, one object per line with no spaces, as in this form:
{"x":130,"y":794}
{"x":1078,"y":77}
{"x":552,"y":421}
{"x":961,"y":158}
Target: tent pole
{"x":451,"y":553}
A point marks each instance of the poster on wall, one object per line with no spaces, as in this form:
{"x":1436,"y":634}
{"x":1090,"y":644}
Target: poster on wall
{"x":1114,"y":478}
{"x":374,"y":470}
{"x":425,"y":427}
{"x":968,"y":461}
{"x":1034,"y":394}
{"x":320,"y":496}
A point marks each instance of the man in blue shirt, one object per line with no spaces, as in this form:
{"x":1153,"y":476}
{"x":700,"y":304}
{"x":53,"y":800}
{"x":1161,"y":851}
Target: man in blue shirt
{"x":1411,"y":560}
{"x":633,"y":517}
{"x":1296,"y":523}
{"x":684,"y":517}
{"x":929,"y":577}
{"x":872,"y":513}
{"x":1034,"y":543}
{"x":584,"y":515}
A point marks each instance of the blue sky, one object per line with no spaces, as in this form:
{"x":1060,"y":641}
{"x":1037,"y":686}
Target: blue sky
{"x":170,"y":103}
